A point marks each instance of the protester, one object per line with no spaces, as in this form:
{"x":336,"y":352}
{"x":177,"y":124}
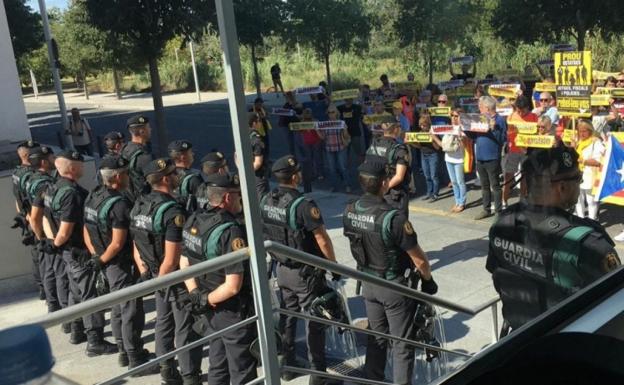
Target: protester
{"x":276,"y":76}
{"x":80,"y":132}
{"x":351,"y":114}
{"x":429,"y":158}
{"x":547,"y":107}
{"x":590,"y":150}
{"x":308,"y":151}
{"x":336,"y":146}
{"x":263,"y":130}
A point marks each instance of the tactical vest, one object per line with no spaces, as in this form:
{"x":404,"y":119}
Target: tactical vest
{"x":279,"y":215}
{"x":202,"y":232}
{"x":382,"y":150}
{"x":20,"y":178}
{"x":52,"y":197}
{"x":38,"y":182}
{"x":370,"y":238}
{"x":97,"y":207}
{"x":184,"y":190}
{"x":148,"y":228}
{"x":137,"y":185}
{"x":537,"y":263}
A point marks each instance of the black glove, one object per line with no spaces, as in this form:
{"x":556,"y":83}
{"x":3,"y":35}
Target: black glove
{"x":48,"y":247}
{"x":95,"y":263}
{"x":429,"y":287}
{"x":336,"y":277}
{"x":199,"y":300}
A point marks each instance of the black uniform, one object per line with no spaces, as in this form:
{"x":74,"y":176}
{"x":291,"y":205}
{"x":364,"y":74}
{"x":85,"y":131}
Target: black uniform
{"x":190,"y":182}
{"x":540,"y":255}
{"x":156,"y":218}
{"x":386,"y":149}
{"x":379,"y":236}
{"x":207,"y":235}
{"x":289,"y":218}
{"x":137,"y":156}
{"x":259,"y":149}
{"x":107,"y":209}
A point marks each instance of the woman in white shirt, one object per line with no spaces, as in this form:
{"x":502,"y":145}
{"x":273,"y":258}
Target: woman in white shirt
{"x":590,"y":149}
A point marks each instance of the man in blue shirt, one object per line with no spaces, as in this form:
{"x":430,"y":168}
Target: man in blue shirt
{"x":488,"y":148}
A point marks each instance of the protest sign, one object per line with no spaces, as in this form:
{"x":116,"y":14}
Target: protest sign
{"x":440,"y":111}
{"x":417,"y":137}
{"x":600,"y":100}
{"x":527,"y":128}
{"x":283,"y":112}
{"x":474,"y":122}
{"x":573,"y":82}
{"x":406,"y":86}
{"x":325,"y":125}
{"x":535,"y":141}
{"x":442,"y":129}
{"x":509,"y":90}
{"x":617,"y":92}
{"x":568,"y":135}
{"x":451,"y":84}
{"x":353,"y":93}
{"x":561,"y":47}
{"x":462,"y":60}
{"x":602,"y":75}
{"x":545,"y":87}
{"x":379,"y":118}
{"x":309,"y":90}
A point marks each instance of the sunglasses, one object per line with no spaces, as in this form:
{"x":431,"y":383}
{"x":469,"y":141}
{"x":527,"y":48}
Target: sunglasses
{"x":541,"y":126}
{"x":577,"y":178}
{"x":544,"y":100}
{"x":442,"y":101}
{"x":454,"y":116}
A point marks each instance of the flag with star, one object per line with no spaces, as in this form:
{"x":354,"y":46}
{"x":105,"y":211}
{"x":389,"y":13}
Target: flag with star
{"x":611,"y":187}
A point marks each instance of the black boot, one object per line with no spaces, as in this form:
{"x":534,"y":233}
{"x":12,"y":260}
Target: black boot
{"x":192,"y":379}
{"x":97,"y":346}
{"x":169,"y":375}
{"x":66,"y":327}
{"x":77,"y":335}
{"x":122,"y":360}
{"x":139,"y":358}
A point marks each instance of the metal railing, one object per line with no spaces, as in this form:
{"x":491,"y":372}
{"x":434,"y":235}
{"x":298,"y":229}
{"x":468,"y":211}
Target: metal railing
{"x":144,"y":288}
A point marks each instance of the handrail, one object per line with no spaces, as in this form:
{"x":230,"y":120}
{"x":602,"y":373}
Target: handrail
{"x":340,"y":377}
{"x":328,"y":265}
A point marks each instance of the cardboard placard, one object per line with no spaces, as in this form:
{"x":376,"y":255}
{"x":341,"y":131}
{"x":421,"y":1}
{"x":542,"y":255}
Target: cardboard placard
{"x":417,"y":137}
{"x":561,"y":47}
{"x":535,"y":141}
{"x":474,"y":122}
{"x":602,"y":75}
{"x":283,"y":112}
{"x":353,"y":93}
{"x":569,"y":135}
{"x":324,"y":125}
{"x":406,"y":86}
{"x":600,"y":100}
{"x":545,"y":87}
{"x":301,"y":126}
{"x":617,"y":92}
{"x":309,"y":90}
{"x":462,"y":60}
{"x":443,"y":129}
{"x":573,"y":79}
{"x":509,"y":90}
{"x":379,"y":118}
{"x":451,"y":84}
{"x":527,"y":128}
{"x":440,"y":111}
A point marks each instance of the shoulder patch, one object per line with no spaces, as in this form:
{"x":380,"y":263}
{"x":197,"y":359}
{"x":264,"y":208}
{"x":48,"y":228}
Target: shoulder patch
{"x":179,"y":220}
{"x":407,"y":227}
{"x":315,"y":212}
{"x":610,"y":262}
{"x":237,"y":244}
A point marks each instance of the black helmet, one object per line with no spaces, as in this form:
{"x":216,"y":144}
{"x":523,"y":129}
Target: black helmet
{"x":254,"y":348}
{"x":330,"y":305}
{"x":424,"y":323}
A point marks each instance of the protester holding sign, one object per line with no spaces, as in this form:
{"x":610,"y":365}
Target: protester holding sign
{"x":308,"y":151}
{"x":336,"y":143}
{"x":429,"y":157}
{"x":351,"y":114}
{"x":547,"y":107}
{"x":590,"y":149}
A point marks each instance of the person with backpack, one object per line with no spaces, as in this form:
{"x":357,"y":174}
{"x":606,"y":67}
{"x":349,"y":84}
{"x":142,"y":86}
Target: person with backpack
{"x":137,"y":155}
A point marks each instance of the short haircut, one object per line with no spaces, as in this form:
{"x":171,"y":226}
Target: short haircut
{"x":488,"y":102}
{"x":154,"y":179}
{"x":522,"y":103}
{"x":62,"y":165}
{"x":108,"y":175}
{"x":544,"y":119}
{"x":215,"y":195}
{"x":370,"y":184}
{"x":283,"y":178}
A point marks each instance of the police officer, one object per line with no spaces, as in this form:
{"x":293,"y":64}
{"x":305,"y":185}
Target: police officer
{"x":384,"y":243}
{"x":137,"y":154}
{"x":181,"y":151}
{"x":64,"y":210}
{"x":106,"y":221}
{"x":386,"y":149}
{"x":156,"y":226}
{"x":212,"y":163}
{"x":540,"y":253}
{"x":260,"y":159}
{"x":114,"y":142}
{"x":291,"y":219}
{"x":22,"y":173}
{"x":224,"y":297}
{"x":42,"y":161}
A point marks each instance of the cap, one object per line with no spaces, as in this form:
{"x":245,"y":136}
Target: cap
{"x":71,"y":155}
{"x":214,"y":159}
{"x":28,"y":144}
{"x":180,"y":145}
{"x":137,"y":120}
{"x":557,"y":160}
{"x":259,"y":100}
{"x":114,"y":136}
{"x":113,"y":162}
{"x":163,"y":166}
{"x":26,"y":354}
{"x":397,"y":105}
{"x":286,"y":165}
{"x":39,"y":152}
{"x":373,"y":168}
{"x":230,"y":182}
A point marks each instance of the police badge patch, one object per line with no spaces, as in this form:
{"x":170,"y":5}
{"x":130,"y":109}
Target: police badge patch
{"x":161,"y":164}
{"x":237,"y":244}
{"x":315,"y":212}
{"x":610,"y":262}
{"x":179,"y":220}
{"x":407,"y":227}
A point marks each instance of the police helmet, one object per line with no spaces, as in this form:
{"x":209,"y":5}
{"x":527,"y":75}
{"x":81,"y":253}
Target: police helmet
{"x":329,"y":306}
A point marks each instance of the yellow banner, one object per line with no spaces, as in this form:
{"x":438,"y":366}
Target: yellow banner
{"x":600,"y":100}
{"x":503,"y":90}
{"x":617,"y":92}
{"x":353,"y":93}
{"x":379,"y":118}
{"x":535,"y":141}
{"x":568,"y":135}
{"x":573,"y":77}
{"x":545,"y":87}
{"x":584,"y":114}
{"x":440,"y":111}
{"x":417,"y":137}
{"x":601,"y":75}
{"x":527,"y":128}
{"x":602,"y":91}
{"x":301,"y":126}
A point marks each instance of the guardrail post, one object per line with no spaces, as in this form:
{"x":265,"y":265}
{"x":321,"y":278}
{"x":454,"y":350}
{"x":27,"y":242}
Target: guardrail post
{"x":240,"y":130}
{"x":494,"y":308}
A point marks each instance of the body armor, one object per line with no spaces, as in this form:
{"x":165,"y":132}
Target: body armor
{"x":97,"y":207}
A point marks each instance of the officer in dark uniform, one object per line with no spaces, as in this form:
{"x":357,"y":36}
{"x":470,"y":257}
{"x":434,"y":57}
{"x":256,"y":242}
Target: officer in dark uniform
{"x":260,"y":160}
{"x":223,"y":297}
{"x":137,"y":155}
{"x":114,"y":142}
{"x":64,"y":210}
{"x":107,"y":220}
{"x":384,"y":243}
{"x":181,"y":151}
{"x":42,"y":161}
{"x":386,"y":149}
{"x":22,"y":173}
{"x":157,"y":219}
{"x":212,"y":163}
{"x":539,"y":252}
{"x":291,"y":219}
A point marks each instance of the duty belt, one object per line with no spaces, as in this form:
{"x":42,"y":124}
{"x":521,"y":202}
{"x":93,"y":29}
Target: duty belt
{"x":292,"y":264}
{"x":388,"y":274}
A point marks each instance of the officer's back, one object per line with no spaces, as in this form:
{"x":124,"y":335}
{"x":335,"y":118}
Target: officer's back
{"x":539,"y":253}
{"x":137,"y":154}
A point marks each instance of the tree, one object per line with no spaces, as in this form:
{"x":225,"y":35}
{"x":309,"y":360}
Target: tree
{"x":255,"y":20}
{"x":328,"y":26}
{"x":434,"y":25}
{"x":549,"y":21}
{"x":24,"y":26}
{"x":148,"y":25}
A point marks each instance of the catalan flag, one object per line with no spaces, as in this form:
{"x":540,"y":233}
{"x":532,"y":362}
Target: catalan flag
{"x":611,"y":186}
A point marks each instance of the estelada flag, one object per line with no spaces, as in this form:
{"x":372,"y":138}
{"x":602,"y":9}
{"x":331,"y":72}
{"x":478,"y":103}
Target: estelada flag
{"x":611,"y":185}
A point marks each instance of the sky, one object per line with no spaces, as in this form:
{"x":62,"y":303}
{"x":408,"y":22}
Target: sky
{"x":62,"y":4}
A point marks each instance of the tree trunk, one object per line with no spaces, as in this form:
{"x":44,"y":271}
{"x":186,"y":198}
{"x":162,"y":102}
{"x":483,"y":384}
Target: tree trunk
{"x":329,"y":81}
{"x":255,"y":68}
{"x":580,"y":40}
{"x":84,"y":85}
{"x":116,"y":83}
{"x":580,"y":30}
{"x":159,"y":110}
{"x":430,"y":65}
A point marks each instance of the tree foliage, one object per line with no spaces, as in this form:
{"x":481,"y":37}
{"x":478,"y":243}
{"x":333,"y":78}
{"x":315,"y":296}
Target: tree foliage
{"x":24,"y":26}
